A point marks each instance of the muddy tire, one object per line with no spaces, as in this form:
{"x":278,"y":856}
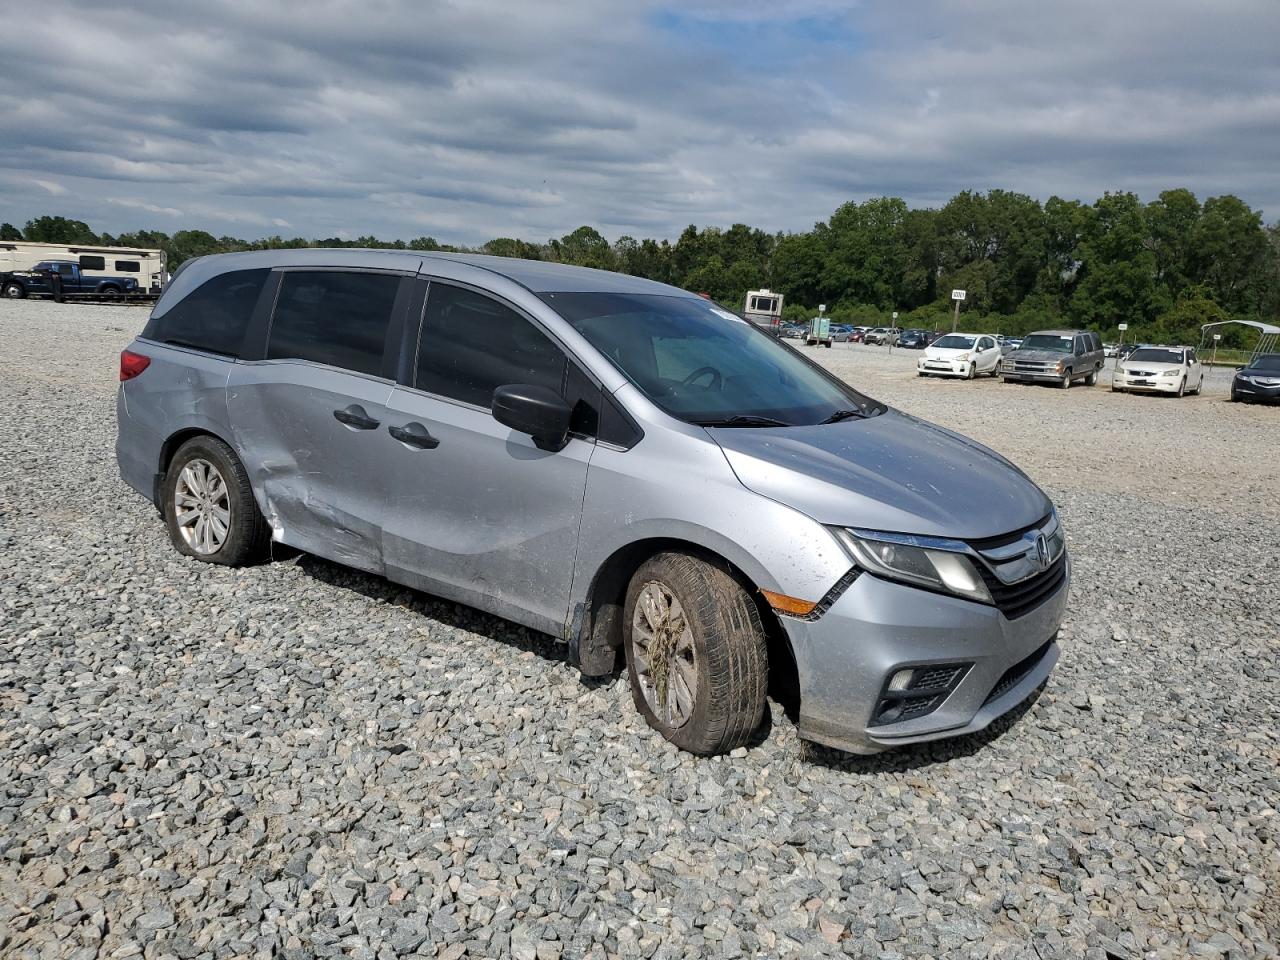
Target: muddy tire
{"x":696,"y":653}
{"x":209,"y":507}
{"x":1091,"y":379}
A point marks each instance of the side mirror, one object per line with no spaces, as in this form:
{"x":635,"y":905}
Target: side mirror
{"x":538,"y":411}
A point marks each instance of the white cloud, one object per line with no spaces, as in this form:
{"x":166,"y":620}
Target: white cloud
{"x":490,"y":119}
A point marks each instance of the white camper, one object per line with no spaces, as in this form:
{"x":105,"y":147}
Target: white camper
{"x":764,"y":309}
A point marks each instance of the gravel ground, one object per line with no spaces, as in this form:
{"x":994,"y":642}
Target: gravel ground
{"x":298,"y":760}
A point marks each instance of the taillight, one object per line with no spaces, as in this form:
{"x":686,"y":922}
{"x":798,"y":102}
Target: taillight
{"x":132,"y":364}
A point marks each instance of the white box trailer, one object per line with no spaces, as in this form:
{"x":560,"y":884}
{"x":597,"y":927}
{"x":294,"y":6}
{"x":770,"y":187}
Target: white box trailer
{"x":146,"y":266}
{"x":764,"y":309}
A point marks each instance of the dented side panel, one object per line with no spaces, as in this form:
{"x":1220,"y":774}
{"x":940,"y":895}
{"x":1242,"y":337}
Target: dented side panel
{"x":315,"y":478}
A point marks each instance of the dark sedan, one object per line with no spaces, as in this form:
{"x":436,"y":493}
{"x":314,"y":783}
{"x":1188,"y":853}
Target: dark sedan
{"x":1260,"y":380}
{"x":913,"y":340}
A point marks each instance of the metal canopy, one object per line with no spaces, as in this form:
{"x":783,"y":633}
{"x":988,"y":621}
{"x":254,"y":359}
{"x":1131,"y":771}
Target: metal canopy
{"x":1268,"y":335}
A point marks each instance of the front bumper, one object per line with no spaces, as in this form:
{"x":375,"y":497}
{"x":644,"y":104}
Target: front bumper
{"x":877,"y":627}
{"x":1037,"y":376}
{"x":944,"y":368}
{"x":1146,"y":384}
{"x":1247,"y":390}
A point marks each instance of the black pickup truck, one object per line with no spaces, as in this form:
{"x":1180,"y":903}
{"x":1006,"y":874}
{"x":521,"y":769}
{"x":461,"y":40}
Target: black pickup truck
{"x":55,"y":277}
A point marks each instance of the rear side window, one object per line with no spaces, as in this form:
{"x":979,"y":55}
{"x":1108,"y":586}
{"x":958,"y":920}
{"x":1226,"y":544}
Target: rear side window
{"x":93,"y":263}
{"x":212,"y":317}
{"x":334,"y":317}
{"x":128,"y":266}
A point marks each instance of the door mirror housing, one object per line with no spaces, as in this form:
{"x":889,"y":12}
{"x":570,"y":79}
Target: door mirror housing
{"x":538,"y":411}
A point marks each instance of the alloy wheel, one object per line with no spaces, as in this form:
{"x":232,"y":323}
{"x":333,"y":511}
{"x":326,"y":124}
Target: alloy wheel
{"x":666,"y":663}
{"x":202,"y":506}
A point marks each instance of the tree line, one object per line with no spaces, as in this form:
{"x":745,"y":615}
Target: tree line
{"x":1164,"y":267}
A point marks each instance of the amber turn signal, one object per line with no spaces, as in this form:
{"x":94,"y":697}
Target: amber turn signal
{"x":789,"y":605}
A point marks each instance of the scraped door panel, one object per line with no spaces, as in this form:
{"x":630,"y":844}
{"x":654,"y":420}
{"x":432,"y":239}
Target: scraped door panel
{"x":314,"y":475}
{"x":484,"y":517}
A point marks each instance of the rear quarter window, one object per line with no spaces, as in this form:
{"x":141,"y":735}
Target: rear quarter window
{"x":214,"y":316}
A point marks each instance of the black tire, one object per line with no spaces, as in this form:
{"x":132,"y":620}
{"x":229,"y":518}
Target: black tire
{"x":729,"y":651}
{"x":248,"y":534}
{"x":14,"y":291}
{"x":972,"y":372}
{"x":1065,"y":383}
{"x":1182,"y":387}
{"x":1091,"y":379}
{"x":110,"y":291}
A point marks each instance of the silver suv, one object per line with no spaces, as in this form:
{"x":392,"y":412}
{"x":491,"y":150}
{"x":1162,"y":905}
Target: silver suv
{"x":610,"y":460}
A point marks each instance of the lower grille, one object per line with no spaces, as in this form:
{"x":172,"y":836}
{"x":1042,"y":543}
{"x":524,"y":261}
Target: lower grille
{"x":929,"y":687}
{"x":1015,"y":600}
{"x":1016,"y":674}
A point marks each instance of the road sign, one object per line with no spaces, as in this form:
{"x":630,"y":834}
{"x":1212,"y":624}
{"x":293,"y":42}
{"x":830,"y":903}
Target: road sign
{"x":1217,"y":336}
{"x":957,"y":294}
{"x":1123,"y":326}
{"x":895,"y":314}
{"x":822,"y":308}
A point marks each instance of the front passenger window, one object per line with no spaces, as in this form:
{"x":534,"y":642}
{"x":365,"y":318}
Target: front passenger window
{"x":472,"y":344}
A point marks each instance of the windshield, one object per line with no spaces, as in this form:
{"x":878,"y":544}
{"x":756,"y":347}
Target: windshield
{"x":1268,"y":361}
{"x":1046,"y":341}
{"x":700,"y":363}
{"x":1156,"y":355}
{"x":953,"y":342}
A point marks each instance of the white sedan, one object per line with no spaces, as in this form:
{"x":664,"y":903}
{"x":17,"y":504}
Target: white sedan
{"x":960,"y":355}
{"x":1175,"y":370}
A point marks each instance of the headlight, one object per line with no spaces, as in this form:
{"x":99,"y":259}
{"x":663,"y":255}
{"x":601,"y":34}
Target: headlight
{"x":963,"y":356}
{"x":922,"y":561}
{"x":1059,"y":366}
{"x":1170,"y":373}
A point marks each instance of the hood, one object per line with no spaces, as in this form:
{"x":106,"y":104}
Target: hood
{"x":945,"y":353}
{"x":1154,"y":366}
{"x":891,"y":472}
{"x":1053,"y":356}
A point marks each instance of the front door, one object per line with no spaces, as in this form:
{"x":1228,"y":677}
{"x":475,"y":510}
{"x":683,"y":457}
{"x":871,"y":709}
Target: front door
{"x":476,"y":512}
{"x":308,"y":418}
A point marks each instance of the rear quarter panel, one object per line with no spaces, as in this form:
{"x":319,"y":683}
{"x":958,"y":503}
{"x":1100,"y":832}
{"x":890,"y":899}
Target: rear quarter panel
{"x":180,"y":390}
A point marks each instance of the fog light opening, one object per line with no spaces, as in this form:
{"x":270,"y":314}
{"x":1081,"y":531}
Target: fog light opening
{"x":901,"y":680}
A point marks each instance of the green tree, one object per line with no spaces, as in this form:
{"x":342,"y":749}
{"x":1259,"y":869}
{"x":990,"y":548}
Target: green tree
{"x":9,"y":232}
{"x":58,"y":230}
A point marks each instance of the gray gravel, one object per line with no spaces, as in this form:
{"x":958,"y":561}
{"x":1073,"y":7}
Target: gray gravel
{"x":298,"y":760}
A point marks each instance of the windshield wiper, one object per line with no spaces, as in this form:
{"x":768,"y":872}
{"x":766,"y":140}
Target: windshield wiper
{"x":743,"y":420}
{"x":843,"y":415}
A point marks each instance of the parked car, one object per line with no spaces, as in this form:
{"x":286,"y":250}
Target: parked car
{"x":49,"y":277}
{"x":1160,"y":370}
{"x":840,"y":333}
{"x":1259,"y":381}
{"x":1110,"y":350}
{"x":913,"y":340}
{"x":1011,"y":344}
{"x":960,"y":355}
{"x":881,"y":335}
{"x":1055,"y":356}
{"x":792,"y":331}
{"x":858,"y":335}
{"x":1125,"y":349}
{"x":613,"y":461}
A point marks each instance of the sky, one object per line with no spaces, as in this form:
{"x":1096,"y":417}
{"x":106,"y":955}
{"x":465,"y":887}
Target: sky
{"x":476,"y":119}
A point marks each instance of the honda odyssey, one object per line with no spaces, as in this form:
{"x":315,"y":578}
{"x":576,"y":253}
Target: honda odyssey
{"x":613,"y":461}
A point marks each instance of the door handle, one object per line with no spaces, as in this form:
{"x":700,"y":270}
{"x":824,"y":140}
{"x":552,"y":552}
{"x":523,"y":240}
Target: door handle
{"x":355,"y":416}
{"x":414,"y":434}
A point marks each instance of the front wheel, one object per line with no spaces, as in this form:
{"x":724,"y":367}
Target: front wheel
{"x":1065,"y":383}
{"x":209,"y":506}
{"x":1182,"y":387}
{"x":696,"y":653}
{"x":971,"y":372}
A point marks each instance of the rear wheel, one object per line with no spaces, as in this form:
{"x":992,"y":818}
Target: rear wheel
{"x":1199,"y":386}
{"x":209,"y":506}
{"x":14,"y":291}
{"x":1091,"y":379}
{"x":696,"y":653}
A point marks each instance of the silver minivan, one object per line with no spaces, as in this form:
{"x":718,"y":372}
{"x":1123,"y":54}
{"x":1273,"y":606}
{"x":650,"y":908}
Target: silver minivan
{"x":613,"y":461}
